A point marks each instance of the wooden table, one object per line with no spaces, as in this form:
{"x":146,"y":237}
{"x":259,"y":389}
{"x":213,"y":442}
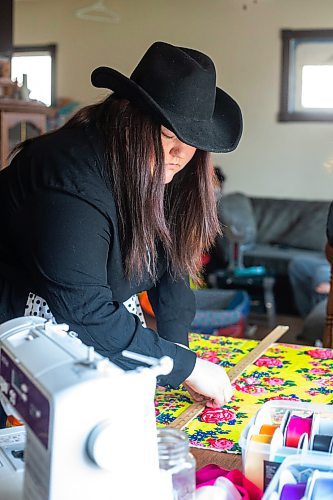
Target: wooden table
{"x":225,"y":460}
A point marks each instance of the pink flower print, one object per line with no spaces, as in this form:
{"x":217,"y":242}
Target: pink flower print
{"x":211,"y":416}
{"x":321,"y":353}
{"x":312,"y":392}
{"x":322,"y":382}
{"x":221,"y":444}
{"x":318,"y":371}
{"x":250,"y":389}
{"x":273,"y":381}
{"x":251,"y":380}
{"x":269,"y":362}
{"x":210,"y":356}
{"x":157,"y":412}
{"x":285,"y":398}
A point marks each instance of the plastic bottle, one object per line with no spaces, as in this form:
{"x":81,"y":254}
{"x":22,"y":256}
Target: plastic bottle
{"x":177,"y":462}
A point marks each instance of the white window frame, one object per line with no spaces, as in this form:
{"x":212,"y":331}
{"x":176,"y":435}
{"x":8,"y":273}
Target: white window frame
{"x":291,"y":86}
{"x":51,"y":50}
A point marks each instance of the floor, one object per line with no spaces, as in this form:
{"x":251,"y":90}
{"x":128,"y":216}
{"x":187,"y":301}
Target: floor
{"x":258,"y":328}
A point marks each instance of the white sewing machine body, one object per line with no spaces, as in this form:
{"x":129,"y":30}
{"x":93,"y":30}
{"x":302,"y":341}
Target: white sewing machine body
{"x":12,"y":444}
{"x":90,"y":426}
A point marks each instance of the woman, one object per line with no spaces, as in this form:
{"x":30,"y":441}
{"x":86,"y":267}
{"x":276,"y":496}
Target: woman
{"x":121,"y":200}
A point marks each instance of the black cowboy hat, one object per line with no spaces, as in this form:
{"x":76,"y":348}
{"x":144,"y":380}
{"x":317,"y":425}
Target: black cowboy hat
{"x":179,"y":86}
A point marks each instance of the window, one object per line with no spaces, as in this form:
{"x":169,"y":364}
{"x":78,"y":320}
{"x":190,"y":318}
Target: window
{"x":307,"y":75}
{"x":38,"y":63}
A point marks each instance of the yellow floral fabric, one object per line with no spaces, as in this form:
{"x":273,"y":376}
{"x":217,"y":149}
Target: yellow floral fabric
{"x":284,"y":371}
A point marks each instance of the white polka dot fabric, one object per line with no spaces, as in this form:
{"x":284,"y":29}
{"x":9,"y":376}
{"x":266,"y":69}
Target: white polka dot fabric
{"x":133,"y":306}
{"x":37,"y":306}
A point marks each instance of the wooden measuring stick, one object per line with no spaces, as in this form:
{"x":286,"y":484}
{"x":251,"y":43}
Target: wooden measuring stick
{"x":195,"y":408}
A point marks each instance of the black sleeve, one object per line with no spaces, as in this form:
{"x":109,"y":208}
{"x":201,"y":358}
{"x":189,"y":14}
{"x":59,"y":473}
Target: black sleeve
{"x":174,"y":306}
{"x":65,"y":243}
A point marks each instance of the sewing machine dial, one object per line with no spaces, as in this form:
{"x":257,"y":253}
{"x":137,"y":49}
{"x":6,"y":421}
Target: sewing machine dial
{"x":99,"y":444}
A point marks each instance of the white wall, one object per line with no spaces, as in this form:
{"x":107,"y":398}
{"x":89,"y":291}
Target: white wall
{"x":273,"y":159}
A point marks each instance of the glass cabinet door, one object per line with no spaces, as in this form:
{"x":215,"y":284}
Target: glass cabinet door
{"x":20,"y":132}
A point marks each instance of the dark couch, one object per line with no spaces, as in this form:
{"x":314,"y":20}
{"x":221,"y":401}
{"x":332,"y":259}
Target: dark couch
{"x":271,"y":232}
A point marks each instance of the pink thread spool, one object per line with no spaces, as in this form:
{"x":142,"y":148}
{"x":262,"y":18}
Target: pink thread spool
{"x":295,"y":428}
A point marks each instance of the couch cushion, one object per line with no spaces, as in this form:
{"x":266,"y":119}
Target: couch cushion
{"x":294,"y":223}
{"x":237,"y":217}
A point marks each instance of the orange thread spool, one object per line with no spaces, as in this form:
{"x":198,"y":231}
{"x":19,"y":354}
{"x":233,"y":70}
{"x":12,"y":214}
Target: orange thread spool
{"x":268,"y":429}
{"x":261,"y":438}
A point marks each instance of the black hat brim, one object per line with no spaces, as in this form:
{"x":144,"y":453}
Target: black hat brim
{"x":220,"y":134}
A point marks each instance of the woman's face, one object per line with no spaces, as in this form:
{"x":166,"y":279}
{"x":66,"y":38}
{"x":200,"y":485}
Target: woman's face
{"x":177,"y":154}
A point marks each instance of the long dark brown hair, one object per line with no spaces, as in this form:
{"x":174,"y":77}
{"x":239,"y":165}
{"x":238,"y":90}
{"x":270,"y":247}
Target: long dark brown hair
{"x":181,"y":216}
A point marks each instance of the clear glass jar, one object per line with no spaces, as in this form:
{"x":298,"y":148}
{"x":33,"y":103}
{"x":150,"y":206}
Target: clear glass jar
{"x":176,"y":460}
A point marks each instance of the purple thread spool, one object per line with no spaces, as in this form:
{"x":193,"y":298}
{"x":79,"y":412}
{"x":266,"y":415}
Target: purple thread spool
{"x":293,"y":491}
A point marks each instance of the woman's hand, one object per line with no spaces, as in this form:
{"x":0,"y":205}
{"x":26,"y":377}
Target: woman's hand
{"x":209,"y":383}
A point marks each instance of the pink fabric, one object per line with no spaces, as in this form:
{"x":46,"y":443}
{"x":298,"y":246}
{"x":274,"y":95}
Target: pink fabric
{"x":208,"y":474}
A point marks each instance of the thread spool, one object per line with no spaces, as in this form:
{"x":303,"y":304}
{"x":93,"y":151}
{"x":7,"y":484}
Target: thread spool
{"x":261,"y":438}
{"x":323,"y":488}
{"x":326,"y":426}
{"x":322,"y":443}
{"x":293,"y":491}
{"x":268,"y":430}
{"x":296,"y":427}
{"x":320,"y":485}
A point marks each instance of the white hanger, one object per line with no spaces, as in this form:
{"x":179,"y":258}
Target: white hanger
{"x":98,"y":12}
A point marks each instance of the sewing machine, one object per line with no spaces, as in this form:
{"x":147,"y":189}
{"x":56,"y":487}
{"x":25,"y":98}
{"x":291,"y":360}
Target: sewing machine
{"x":90,"y":427}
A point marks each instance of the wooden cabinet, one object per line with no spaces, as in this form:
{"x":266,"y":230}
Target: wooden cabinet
{"x":19,"y":120}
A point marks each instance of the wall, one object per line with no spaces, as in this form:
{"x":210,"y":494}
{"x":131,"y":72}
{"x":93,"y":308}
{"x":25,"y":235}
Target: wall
{"x":273,"y":159}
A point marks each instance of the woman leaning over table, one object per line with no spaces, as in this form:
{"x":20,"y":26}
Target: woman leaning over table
{"x":120,"y":200}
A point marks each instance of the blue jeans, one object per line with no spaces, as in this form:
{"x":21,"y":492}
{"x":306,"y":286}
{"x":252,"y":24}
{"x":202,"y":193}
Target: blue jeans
{"x":305,"y":274}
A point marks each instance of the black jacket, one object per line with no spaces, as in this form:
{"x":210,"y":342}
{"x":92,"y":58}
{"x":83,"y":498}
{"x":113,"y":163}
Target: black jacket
{"x":59,"y":239}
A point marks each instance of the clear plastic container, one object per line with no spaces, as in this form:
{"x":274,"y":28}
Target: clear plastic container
{"x":305,"y":464}
{"x":177,"y":462}
{"x":262,"y":460}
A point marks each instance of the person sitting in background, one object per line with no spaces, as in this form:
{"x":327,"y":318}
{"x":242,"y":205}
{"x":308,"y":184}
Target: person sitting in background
{"x":310,"y":282}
